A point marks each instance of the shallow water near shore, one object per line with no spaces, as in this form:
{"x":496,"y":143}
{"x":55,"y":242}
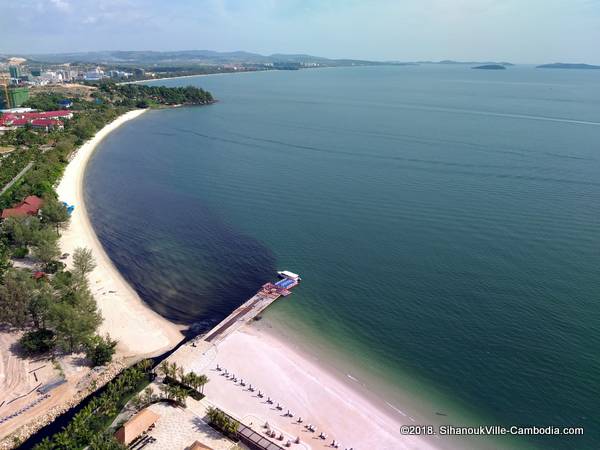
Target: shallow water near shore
{"x":444,"y":221}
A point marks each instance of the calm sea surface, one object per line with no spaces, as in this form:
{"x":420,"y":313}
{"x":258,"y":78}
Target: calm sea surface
{"x":445,"y":222}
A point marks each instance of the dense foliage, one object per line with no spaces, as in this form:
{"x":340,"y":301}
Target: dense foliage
{"x":222,"y":422}
{"x":13,"y":163}
{"x":88,"y":427}
{"x":37,"y":341}
{"x":57,"y":313}
{"x":100,"y":350}
{"x":140,"y":95}
{"x":178,"y":384}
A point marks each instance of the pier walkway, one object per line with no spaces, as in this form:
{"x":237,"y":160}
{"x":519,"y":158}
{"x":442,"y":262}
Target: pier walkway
{"x":205,"y":345}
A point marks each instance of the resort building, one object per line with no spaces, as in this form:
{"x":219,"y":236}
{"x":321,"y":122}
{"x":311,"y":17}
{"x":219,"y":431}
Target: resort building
{"x":135,"y":427}
{"x":46,"y":120}
{"x":47,"y":124}
{"x":28,"y":207}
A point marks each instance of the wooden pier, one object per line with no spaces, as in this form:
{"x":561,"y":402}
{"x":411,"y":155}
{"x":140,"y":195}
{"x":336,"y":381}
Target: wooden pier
{"x":241,"y":315}
{"x":247,"y":311}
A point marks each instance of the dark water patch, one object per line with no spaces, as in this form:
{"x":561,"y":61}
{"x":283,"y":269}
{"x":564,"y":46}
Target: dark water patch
{"x":165,"y":229}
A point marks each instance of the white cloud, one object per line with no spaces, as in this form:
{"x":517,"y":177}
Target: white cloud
{"x":62,"y":5}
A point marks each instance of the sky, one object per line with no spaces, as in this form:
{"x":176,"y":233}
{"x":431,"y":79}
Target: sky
{"x":521,"y":31}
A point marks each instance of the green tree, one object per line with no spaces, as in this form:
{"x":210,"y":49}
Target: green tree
{"x":21,"y":231}
{"x":84,"y":128}
{"x":40,"y":304}
{"x":75,"y":319}
{"x":54,"y":213}
{"x":100,"y":350}
{"x":37,"y":342}
{"x":4,"y":260}
{"x":83,"y":262}
{"x":104,"y":441}
{"x":202,"y":380}
{"x":46,"y":245}
{"x":15,"y":297}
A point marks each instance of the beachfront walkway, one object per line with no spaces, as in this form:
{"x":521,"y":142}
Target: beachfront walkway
{"x":179,"y":428}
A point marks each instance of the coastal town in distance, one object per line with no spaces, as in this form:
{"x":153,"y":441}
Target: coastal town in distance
{"x":345,"y":225}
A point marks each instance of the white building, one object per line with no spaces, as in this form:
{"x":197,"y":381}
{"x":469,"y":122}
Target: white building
{"x":50,"y":77}
{"x":94,"y":75}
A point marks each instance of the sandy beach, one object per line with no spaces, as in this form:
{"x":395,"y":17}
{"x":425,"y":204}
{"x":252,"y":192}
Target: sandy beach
{"x":297,"y":384}
{"x":139,"y":330}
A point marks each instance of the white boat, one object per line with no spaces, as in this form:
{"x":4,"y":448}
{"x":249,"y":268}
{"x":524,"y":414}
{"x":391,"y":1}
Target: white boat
{"x":288,"y":274}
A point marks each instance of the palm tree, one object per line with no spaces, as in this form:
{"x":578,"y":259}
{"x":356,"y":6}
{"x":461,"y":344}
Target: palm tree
{"x":187,"y":379}
{"x":191,"y":380}
{"x":212,"y":413}
{"x":46,"y":444}
{"x":202,"y":380}
{"x":179,"y":374}
{"x":173,"y":370}
{"x":164,"y":369}
{"x":145,"y":365}
{"x":180,"y":395}
{"x":63,"y":440}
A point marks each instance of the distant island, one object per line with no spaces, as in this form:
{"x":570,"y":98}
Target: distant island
{"x":567,"y":66}
{"x":490,"y":67}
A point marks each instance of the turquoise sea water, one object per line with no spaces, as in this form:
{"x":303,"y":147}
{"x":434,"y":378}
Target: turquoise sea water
{"x":444,"y":220}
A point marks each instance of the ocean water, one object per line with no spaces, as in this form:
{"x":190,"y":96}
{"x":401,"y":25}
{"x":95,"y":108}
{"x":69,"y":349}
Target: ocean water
{"x":445,"y":222}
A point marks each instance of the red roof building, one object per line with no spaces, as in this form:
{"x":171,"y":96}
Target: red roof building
{"x":47,"y":124}
{"x":22,"y":119}
{"x":28,"y":207}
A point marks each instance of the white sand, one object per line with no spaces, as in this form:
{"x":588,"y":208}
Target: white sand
{"x":139,"y":330}
{"x":299,"y":385}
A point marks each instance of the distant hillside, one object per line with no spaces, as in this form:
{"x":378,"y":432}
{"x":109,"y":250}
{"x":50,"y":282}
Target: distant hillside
{"x":567,"y":66}
{"x":186,"y":57}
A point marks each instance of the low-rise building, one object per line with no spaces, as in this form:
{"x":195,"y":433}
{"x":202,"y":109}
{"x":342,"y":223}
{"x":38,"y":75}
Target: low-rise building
{"x":45,"y":120}
{"x":51,"y":77}
{"x":136,"y":426}
{"x":47,"y":124}
{"x":94,"y":75}
{"x":28,"y":207}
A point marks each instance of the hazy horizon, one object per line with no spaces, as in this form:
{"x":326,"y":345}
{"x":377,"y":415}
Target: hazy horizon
{"x":382,"y":30}
{"x":419,"y":60}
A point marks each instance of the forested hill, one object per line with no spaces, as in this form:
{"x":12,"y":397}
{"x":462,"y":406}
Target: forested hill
{"x":142,"y":96}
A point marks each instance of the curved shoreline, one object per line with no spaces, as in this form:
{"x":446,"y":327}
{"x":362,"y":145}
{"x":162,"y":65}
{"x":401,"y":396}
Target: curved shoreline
{"x":126,"y":317}
{"x":291,"y":375}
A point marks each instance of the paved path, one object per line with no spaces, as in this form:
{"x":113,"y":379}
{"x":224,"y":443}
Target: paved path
{"x":178,"y":428}
{"x":15,"y":179}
